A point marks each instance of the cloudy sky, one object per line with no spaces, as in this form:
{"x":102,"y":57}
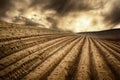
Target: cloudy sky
{"x":67,"y":15}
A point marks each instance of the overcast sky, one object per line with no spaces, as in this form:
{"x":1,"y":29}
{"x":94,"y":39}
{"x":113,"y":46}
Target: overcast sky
{"x":68,"y":15}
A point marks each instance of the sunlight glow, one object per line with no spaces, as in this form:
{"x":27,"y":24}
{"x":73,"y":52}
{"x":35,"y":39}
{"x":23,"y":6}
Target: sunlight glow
{"x":83,"y":22}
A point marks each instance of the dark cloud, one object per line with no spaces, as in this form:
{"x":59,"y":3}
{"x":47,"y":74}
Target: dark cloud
{"x":26,"y":21}
{"x":53,"y":21}
{"x":63,"y":7}
{"x":4,"y":6}
{"x":39,"y":2}
{"x":114,"y":14}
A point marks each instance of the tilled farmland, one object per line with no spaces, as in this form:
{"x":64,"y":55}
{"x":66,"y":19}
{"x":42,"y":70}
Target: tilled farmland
{"x":32,"y":53}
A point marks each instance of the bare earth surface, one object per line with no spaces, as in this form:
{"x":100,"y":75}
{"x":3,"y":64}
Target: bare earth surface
{"x":31,"y":53}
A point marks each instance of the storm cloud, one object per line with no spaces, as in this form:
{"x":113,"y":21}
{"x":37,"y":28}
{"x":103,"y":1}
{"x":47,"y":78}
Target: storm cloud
{"x":64,"y":6}
{"x":4,"y":7}
{"x":113,"y":13}
{"x":52,"y":13}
